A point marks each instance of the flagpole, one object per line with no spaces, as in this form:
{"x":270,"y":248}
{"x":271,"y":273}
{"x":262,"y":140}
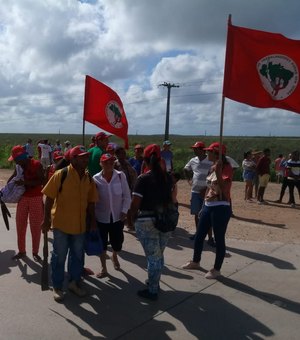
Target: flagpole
{"x":83,"y":116}
{"x":223,"y":97}
{"x":83,"y":130}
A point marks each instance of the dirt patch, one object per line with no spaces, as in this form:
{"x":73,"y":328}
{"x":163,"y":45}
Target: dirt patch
{"x":273,"y":222}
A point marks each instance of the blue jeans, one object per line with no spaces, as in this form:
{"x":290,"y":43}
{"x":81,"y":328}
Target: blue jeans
{"x":153,"y":242}
{"x":62,"y":244}
{"x":216,"y":217}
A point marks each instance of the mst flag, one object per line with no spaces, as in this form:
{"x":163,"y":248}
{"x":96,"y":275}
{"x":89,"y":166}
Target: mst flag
{"x":262,"y":69}
{"x":103,"y":108}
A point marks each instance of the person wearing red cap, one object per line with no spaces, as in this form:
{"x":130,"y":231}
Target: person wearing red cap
{"x":196,"y":171}
{"x":30,"y":205}
{"x":111,"y":210}
{"x":57,"y":156}
{"x":152,"y":190}
{"x":216,"y":210}
{"x":101,"y":140}
{"x":66,"y":208}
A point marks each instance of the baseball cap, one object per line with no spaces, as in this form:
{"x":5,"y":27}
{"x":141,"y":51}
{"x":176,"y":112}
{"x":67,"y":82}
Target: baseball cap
{"x":215,"y":147}
{"x":167,"y":142}
{"x":102,"y":135}
{"x":16,"y":152}
{"x":67,"y":142}
{"x":138,"y":146}
{"x":152,"y":149}
{"x":57,"y":155}
{"x":78,"y":150}
{"x":106,"y":157}
{"x":198,"y":145}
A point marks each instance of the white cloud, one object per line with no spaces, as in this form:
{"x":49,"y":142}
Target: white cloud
{"x":47,"y":47}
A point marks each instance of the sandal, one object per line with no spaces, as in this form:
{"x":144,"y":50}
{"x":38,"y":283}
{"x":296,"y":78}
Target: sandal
{"x":18,"y":256}
{"x":101,"y":275}
{"x":116,"y":263}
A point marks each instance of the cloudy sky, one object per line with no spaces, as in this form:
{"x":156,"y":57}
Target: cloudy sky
{"x":133,"y":46}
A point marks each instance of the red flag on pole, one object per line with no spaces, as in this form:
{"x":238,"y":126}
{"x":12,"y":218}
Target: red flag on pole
{"x":104,"y":108}
{"x":262,"y":69}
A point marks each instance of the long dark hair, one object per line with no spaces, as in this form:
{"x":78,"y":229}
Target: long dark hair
{"x":161,"y":178}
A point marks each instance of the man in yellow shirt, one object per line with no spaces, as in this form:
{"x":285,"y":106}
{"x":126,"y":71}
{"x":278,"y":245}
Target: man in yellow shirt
{"x":66,"y":206}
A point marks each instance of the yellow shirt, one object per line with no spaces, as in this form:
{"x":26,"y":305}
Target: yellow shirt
{"x":68,"y":213}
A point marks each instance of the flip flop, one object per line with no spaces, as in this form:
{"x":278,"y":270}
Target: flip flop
{"x":101,"y":275}
{"x":116,"y":263}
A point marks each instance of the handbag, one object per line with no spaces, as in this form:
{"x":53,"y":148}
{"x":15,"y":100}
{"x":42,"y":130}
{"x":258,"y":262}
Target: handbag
{"x":93,"y":243}
{"x":11,"y":192}
{"x":166,"y":218}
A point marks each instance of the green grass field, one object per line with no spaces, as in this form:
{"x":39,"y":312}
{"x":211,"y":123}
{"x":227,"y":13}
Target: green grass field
{"x":236,"y":146}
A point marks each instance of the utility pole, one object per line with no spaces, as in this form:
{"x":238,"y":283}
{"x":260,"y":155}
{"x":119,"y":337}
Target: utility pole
{"x":169,"y":86}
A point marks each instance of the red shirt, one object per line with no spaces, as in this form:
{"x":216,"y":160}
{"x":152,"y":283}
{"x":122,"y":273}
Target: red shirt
{"x":263,"y":166}
{"x":30,"y":173}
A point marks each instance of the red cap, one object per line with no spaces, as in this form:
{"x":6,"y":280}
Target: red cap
{"x":106,"y":157}
{"x":138,"y":146}
{"x":78,"y":150}
{"x":110,"y":147}
{"x":101,"y":135}
{"x":57,"y":155}
{"x":198,"y":145}
{"x":17,"y":151}
{"x":215,"y":147}
{"x":152,"y":149}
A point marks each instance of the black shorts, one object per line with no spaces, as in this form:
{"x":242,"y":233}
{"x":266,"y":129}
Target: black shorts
{"x":115,"y":233}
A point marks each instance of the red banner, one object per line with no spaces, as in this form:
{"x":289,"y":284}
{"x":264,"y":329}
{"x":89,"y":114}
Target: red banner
{"x":262,"y":69}
{"x":104,"y":108}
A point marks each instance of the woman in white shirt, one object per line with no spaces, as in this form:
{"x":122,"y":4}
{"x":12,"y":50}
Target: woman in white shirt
{"x":111,"y":209}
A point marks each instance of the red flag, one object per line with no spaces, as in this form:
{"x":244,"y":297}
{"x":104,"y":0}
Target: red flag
{"x":104,"y":108}
{"x":262,"y":69}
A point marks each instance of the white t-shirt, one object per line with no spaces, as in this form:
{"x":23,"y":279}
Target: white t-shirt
{"x":45,"y":150}
{"x":200,"y":170}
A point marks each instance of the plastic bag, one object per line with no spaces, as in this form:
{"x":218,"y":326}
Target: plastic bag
{"x":93,"y":243}
{"x":11,"y":192}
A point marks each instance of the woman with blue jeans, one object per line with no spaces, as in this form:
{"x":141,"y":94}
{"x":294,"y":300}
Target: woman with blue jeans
{"x":216,"y":210}
{"x":152,"y":190}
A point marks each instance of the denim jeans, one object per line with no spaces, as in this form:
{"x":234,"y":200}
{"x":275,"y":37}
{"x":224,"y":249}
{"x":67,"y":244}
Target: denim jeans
{"x":62,"y":244}
{"x":216,"y":217}
{"x":153,"y":242}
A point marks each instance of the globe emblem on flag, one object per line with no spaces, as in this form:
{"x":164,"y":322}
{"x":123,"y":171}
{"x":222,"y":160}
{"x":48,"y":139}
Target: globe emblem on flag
{"x":279,"y":75}
{"x":114,"y":114}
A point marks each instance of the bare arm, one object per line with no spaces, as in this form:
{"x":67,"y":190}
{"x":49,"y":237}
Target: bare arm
{"x":46,"y":224}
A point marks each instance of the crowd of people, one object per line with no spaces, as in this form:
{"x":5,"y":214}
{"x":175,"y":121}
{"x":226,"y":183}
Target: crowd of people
{"x":257,"y":171}
{"x":69,"y":190}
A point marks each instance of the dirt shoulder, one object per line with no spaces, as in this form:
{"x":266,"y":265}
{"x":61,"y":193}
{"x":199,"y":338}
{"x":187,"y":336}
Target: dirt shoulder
{"x":273,"y":222}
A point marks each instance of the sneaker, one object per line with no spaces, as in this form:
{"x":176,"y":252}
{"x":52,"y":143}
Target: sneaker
{"x":19,"y":256}
{"x":147,"y":295}
{"x":212,"y":274}
{"x":74,"y":288}
{"x":37,"y":258}
{"x":191,"y":265}
{"x":58,"y":295}
{"x":293,"y":205}
{"x":211,"y":242}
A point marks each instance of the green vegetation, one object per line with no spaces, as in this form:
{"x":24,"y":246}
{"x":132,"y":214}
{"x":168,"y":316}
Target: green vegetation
{"x":236,"y":146}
